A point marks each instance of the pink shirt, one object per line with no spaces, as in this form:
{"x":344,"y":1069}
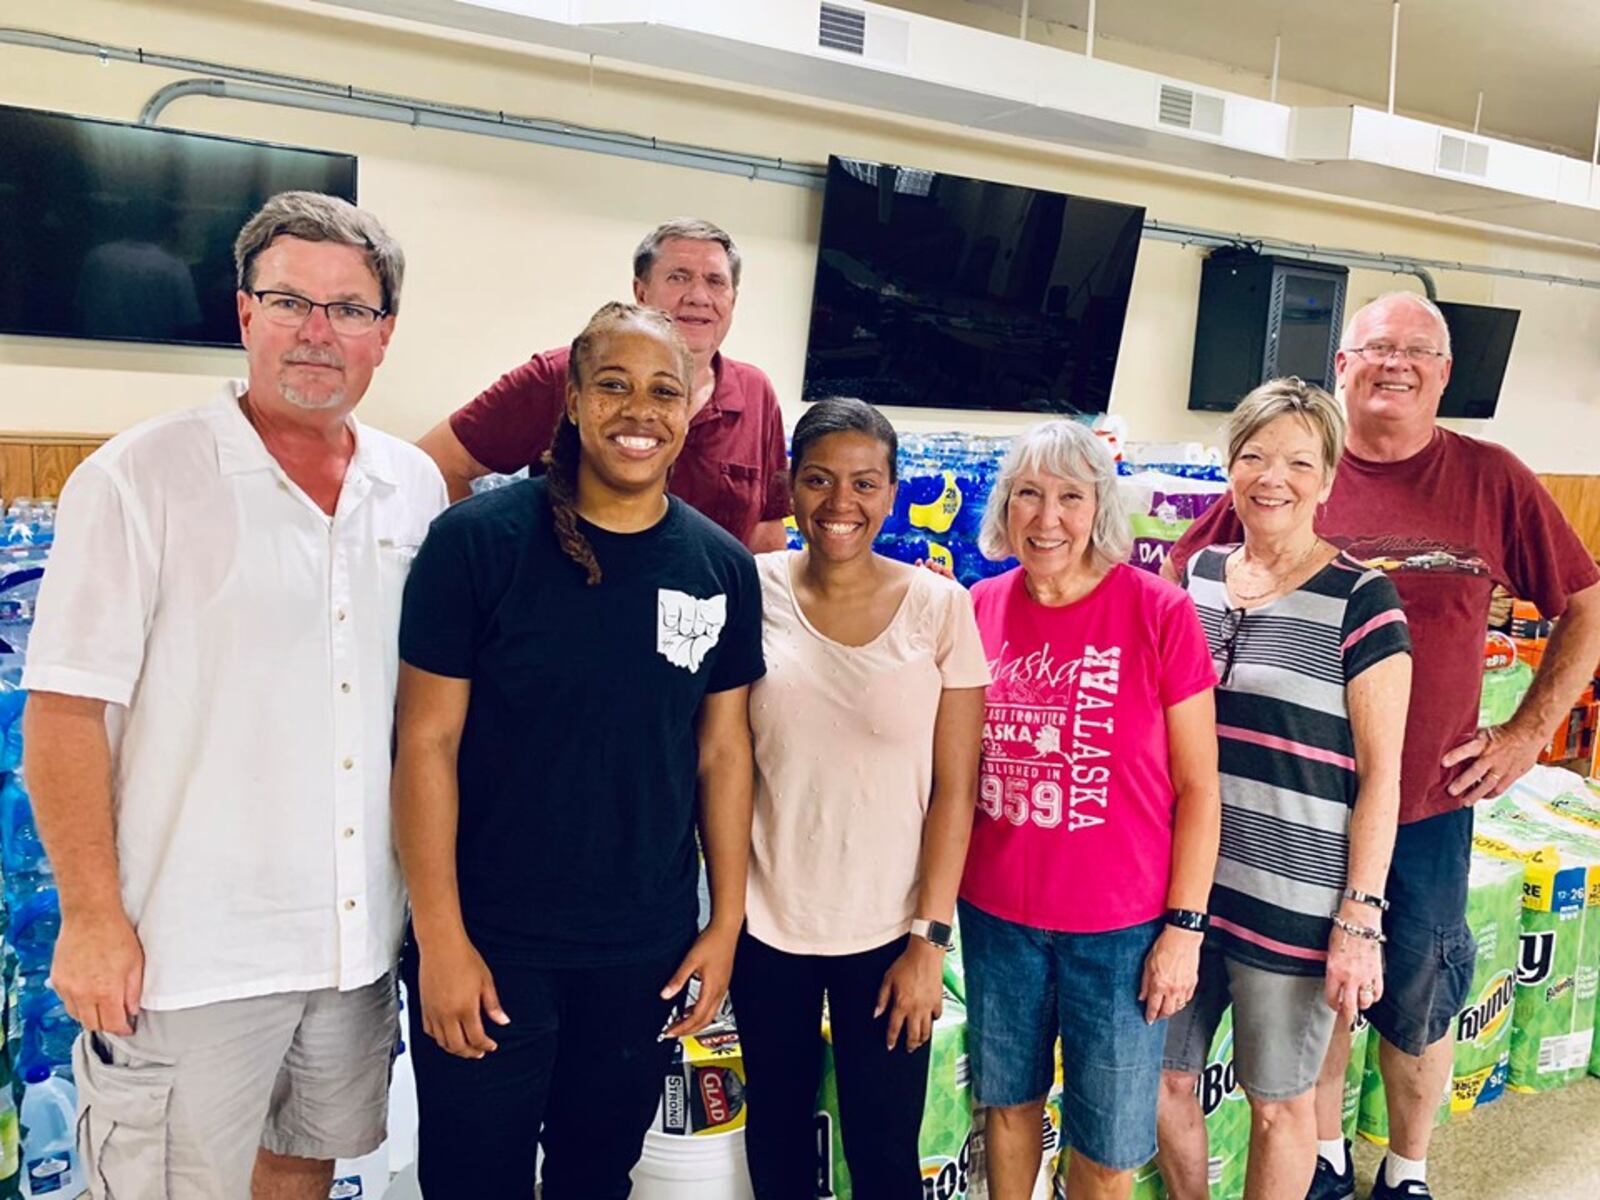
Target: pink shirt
{"x":844,"y":763}
{"x":1075,"y":800}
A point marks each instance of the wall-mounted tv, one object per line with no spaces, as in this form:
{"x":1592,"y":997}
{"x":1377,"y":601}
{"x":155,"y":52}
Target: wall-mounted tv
{"x":941,"y":291}
{"x":110,"y":230}
{"x":1480,"y":346}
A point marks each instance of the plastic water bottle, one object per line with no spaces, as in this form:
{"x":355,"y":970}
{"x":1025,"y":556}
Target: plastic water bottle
{"x":12,"y":700}
{"x":35,"y":925}
{"x":19,"y":588}
{"x":49,"y":1151}
{"x":22,"y":857}
{"x":48,"y":1030}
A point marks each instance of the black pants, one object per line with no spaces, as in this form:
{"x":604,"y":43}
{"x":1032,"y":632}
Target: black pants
{"x":578,"y":1072}
{"x":777,"y":1000}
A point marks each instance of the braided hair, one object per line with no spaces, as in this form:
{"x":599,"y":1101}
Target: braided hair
{"x":561,"y":459}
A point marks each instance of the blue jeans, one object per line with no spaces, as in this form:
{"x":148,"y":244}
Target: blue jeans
{"x":1429,"y":960}
{"x":1024,"y":987}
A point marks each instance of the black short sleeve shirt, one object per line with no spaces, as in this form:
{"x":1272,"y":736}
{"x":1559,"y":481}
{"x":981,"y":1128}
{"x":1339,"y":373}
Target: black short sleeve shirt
{"x":578,"y":759}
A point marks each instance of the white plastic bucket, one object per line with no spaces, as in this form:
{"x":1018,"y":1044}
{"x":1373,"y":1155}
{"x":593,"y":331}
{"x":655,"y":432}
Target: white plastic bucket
{"x":705,"y":1167}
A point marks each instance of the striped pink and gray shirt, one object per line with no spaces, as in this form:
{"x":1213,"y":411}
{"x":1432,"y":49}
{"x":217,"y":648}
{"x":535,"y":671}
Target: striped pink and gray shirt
{"x":1286,"y":751}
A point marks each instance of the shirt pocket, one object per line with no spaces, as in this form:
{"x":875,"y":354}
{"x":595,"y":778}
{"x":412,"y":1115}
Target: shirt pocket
{"x":739,"y":499}
{"x":123,"y":1099}
{"x":394,"y":564}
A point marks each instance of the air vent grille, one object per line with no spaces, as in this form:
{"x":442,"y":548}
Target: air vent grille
{"x":1461,"y":156}
{"x":842,"y":29}
{"x":1194,"y":111}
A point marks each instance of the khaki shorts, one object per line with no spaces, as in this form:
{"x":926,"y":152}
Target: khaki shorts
{"x":178,"y":1110}
{"x":1281,"y":1027}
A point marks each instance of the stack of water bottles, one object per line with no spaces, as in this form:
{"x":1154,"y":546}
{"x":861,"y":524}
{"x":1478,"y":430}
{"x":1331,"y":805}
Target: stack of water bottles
{"x":39,"y":1033}
{"x":945,"y":480}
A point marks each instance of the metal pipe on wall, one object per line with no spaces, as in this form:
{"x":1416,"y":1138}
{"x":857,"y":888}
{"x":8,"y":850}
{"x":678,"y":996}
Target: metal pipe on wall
{"x":266,"y":87}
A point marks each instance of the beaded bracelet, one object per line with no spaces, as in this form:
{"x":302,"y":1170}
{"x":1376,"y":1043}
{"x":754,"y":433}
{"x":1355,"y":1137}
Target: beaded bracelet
{"x":1360,"y":931}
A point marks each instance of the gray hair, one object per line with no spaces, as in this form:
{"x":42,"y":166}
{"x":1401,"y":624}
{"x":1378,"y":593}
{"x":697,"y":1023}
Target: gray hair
{"x":1284,"y":397}
{"x":1422,"y":302}
{"x":314,"y":217}
{"x":690,"y":229}
{"x":1067,"y":450}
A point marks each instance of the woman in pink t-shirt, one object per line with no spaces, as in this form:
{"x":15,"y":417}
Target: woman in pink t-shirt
{"x":1082,"y":906}
{"x":866,"y":751}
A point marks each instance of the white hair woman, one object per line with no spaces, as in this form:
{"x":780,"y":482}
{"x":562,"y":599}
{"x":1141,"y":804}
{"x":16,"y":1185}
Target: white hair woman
{"x":1315,"y":667}
{"x":1092,"y":851}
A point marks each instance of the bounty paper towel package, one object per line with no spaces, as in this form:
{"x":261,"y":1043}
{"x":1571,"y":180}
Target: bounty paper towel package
{"x":1559,"y":954}
{"x":1483,"y":1027}
{"x":1355,"y":1075}
{"x":946,"y":1118}
{"x":1574,"y":802}
{"x":1227,"y":1114}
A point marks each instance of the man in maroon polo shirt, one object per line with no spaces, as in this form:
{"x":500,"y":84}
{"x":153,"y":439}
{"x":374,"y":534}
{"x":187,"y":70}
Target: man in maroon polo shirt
{"x":734,"y":458}
{"x":1446,"y":517}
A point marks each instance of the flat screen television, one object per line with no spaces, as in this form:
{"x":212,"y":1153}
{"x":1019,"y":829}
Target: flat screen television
{"x":111,"y":230}
{"x":941,"y":291}
{"x":1480,"y":344}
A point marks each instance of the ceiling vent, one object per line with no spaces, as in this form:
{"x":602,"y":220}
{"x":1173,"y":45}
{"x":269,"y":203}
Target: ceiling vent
{"x":842,"y":29}
{"x":1183,"y":108}
{"x":1461,"y":156}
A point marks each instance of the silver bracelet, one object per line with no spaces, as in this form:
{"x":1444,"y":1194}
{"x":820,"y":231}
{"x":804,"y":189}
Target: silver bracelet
{"x":1366,"y":932}
{"x":1367,"y":898}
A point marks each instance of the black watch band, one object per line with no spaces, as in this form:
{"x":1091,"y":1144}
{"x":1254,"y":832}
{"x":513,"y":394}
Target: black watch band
{"x":1187,"y":918}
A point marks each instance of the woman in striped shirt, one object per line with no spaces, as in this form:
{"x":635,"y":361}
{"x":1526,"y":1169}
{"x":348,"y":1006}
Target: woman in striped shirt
{"x":1313,"y":655}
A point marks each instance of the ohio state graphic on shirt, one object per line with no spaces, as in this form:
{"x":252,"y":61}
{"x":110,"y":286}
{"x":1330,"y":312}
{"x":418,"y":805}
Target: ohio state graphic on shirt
{"x":687,"y":627}
{"x":1075,"y":799}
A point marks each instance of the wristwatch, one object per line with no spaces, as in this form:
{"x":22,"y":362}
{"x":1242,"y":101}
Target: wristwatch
{"x":1187,"y":918}
{"x":936,"y":933}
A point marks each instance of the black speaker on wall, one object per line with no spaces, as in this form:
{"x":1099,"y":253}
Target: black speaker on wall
{"x":1263,"y":316}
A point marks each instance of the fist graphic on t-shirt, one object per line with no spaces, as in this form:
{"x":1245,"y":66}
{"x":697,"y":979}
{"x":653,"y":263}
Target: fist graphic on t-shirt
{"x":687,"y":627}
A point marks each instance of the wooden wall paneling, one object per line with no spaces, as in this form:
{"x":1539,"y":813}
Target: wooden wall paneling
{"x":1578,"y":497}
{"x":37,"y":464}
{"x":51,"y":466}
{"x":16,"y":470}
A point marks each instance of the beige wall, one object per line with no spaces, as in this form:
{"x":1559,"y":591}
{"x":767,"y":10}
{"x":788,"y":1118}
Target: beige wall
{"x":511,"y":246}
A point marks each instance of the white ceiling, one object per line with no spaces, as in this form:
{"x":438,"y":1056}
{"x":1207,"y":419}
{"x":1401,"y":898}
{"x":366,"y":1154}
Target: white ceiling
{"x":1537,"y":62}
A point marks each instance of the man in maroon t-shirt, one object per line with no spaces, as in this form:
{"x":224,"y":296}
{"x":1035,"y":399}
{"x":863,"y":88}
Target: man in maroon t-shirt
{"x":1447,"y":517}
{"x":734,"y":459}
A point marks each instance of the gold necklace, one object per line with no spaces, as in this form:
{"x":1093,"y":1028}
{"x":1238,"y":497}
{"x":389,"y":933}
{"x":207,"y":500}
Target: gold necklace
{"x":1278,"y":580}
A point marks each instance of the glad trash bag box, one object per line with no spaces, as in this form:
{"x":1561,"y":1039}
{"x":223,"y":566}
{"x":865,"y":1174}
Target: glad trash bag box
{"x":703,"y":1090}
{"x":946,"y":1144}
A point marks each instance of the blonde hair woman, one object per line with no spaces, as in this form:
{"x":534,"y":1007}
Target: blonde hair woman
{"x":1313,"y":657}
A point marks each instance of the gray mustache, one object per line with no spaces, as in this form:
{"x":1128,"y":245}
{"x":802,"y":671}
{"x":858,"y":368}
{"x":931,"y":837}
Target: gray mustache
{"x":315,"y":359}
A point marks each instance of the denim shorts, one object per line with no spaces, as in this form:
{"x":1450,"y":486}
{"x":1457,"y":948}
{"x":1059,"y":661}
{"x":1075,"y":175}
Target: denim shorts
{"x":1429,"y":957}
{"x":1281,"y":1026}
{"x":1026,"y":986}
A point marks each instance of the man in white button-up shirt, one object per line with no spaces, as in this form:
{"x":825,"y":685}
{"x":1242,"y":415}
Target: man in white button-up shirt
{"x":208,"y":738}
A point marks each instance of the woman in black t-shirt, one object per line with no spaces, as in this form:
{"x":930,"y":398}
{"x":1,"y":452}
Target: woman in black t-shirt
{"x":577,"y":652}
